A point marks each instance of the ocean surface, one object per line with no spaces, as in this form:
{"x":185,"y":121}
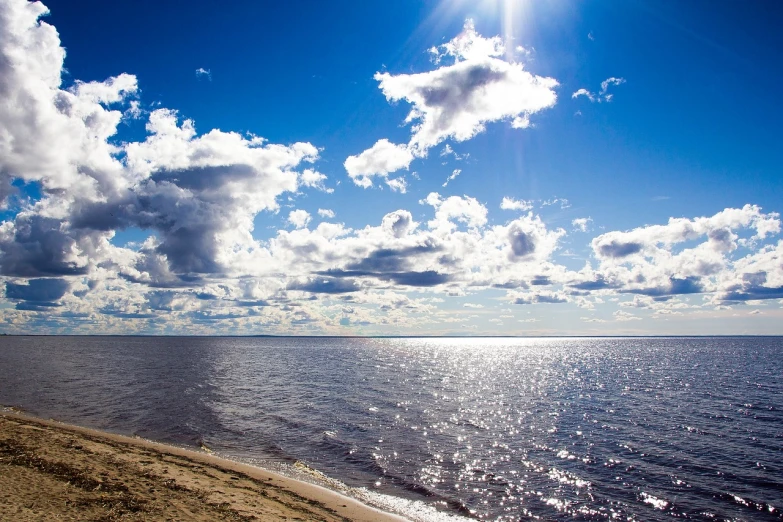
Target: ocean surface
{"x":490,"y":428}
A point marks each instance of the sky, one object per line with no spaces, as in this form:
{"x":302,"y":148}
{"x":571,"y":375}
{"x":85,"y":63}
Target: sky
{"x":437,"y":167}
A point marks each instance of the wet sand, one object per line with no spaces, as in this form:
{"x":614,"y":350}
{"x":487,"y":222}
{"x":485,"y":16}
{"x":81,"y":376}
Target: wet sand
{"x":53,"y":471}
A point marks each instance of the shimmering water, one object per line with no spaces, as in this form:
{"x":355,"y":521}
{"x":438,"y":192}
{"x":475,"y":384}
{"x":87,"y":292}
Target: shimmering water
{"x":498,"y":429}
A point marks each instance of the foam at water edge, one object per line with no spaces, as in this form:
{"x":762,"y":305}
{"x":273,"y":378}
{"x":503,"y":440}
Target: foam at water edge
{"x":414,"y":510}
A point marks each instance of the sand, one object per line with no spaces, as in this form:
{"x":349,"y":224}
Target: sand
{"x":53,"y":471}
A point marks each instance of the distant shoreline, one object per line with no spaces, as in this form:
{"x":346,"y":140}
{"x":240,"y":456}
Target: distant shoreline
{"x":265,"y":336}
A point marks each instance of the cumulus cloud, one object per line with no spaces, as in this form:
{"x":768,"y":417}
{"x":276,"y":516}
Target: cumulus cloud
{"x":398,"y":185}
{"x":757,"y":276}
{"x":543,"y":297}
{"x":379,"y":160}
{"x":465,"y":210}
{"x":314,"y":179}
{"x":37,"y":293}
{"x":455,"y":101}
{"x":514,"y":204}
{"x":653,"y":260}
{"x":718,"y":230}
{"x":198,"y":196}
{"x":621,"y":315}
{"x":398,"y":223}
{"x":581,"y":224}
{"x":299,"y":218}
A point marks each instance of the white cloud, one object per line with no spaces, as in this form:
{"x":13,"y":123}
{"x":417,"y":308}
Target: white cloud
{"x":648,"y":241}
{"x":564,"y":203}
{"x":448,"y":151}
{"x":538,"y":297}
{"x":465,"y":210}
{"x":692,"y":256}
{"x":204,"y":73}
{"x":134,"y":110}
{"x":455,"y":101}
{"x":583,"y":92}
{"x":603,"y":95}
{"x":199,"y":196}
{"x":299,"y":218}
{"x":581,"y":224}
{"x":398,"y":184}
{"x":515,"y":204}
{"x":452,"y":177}
{"x":381,"y":159}
{"x":314,"y":179}
{"x":398,"y":223}
{"x":469,"y":45}
{"x":621,"y":315}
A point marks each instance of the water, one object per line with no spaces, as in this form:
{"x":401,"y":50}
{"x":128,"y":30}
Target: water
{"x":498,"y":429}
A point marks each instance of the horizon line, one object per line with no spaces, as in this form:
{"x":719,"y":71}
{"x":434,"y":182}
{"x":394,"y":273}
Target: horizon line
{"x":550,"y":336}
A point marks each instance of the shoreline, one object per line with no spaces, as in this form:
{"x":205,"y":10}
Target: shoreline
{"x":57,"y":469}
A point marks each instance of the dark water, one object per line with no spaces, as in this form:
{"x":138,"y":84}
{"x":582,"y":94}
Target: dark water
{"x":505,"y":429}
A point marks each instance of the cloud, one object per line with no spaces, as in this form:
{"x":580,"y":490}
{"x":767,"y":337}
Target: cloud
{"x":543,"y":297}
{"x":35,"y":246}
{"x":452,"y":177}
{"x":325,"y":286}
{"x":564,"y":203}
{"x":513,"y":204}
{"x":757,"y":276}
{"x":448,"y":151}
{"x":196,"y":197}
{"x":621,"y":315}
{"x":198,"y":194}
{"x":675,"y":286}
{"x":583,"y":92}
{"x":465,"y":210}
{"x":314,"y":179}
{"x":38,"y":292}
{"x":398,"y":185}
{"x":717,"y":229}
{"x":398,"y":223}
{"x":603,"y":95}
{"x":455,"y":101}
{"x":381,"y":159}
{"x":581,"y":224}
{"x":617,"y":249}
{"x":692,"y":256}
{"x":204,"y":73}
{"x":299,"y":218}
{"x":529,"y":239}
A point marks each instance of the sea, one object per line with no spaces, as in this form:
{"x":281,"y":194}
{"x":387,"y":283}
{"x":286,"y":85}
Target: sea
{"x":507,"y":429}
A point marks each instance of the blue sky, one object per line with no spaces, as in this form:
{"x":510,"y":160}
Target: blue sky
{"x":444,"y":167}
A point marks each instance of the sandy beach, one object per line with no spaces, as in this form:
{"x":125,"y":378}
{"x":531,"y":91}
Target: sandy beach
{"x":52,"y":471}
